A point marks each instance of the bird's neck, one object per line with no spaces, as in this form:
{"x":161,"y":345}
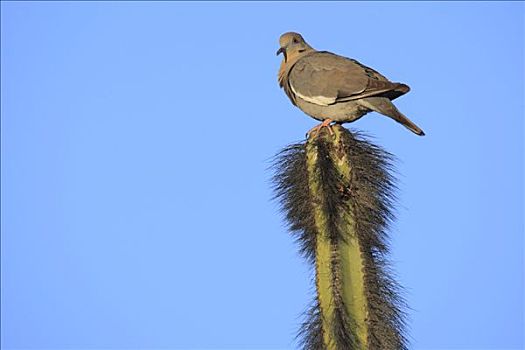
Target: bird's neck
{"x":291,"y":59}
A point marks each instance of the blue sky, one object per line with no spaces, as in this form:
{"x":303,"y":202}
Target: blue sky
{"x":136,"y":140}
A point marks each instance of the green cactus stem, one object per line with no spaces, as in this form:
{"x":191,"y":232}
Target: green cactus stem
{"x":336,"y":191}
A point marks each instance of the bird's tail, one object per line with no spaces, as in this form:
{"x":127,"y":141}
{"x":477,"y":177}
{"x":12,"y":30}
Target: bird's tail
{"x":400,"y":118}
{"x":384,"y":106}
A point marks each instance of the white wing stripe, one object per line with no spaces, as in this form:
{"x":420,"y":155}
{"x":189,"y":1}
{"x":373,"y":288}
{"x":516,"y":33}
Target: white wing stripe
{"x":318,"y":100}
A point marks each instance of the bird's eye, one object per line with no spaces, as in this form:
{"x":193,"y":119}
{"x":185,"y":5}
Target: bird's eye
{"x":295,"y":41}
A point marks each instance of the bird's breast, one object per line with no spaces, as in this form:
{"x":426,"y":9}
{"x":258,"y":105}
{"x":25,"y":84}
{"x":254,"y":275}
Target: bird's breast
{"x":344,"y":112}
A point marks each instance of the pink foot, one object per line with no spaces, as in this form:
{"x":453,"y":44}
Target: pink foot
{"x":317,"y":128}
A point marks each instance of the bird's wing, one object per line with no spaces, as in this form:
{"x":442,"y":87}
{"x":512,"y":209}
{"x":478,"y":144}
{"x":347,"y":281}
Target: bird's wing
{"x":323,"y":78}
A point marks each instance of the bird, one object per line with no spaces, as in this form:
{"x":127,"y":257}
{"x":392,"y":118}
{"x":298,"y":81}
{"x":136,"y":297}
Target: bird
{"x":333,"y":88}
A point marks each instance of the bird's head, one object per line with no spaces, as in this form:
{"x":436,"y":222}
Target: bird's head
{"x":292,"y":44}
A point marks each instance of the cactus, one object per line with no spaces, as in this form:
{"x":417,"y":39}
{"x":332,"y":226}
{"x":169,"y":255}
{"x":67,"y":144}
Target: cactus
{"x":337,"y":193}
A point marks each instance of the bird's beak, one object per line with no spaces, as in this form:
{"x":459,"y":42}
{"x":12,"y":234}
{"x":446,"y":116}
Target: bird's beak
{"x":283,"y":51}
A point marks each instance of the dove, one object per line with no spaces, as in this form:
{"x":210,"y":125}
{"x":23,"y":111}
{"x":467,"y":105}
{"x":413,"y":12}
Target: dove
{"x":333,"y":88}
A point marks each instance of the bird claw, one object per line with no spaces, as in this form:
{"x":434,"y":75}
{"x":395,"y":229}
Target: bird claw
{"x":326,"y":123}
